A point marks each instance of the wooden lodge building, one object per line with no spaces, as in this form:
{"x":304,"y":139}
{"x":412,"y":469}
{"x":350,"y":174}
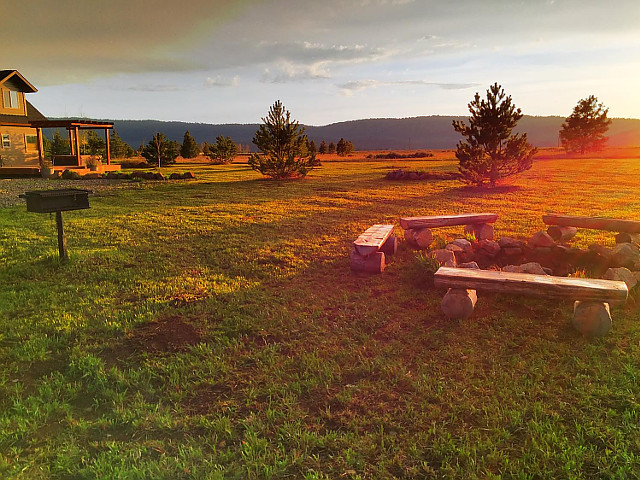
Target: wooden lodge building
{"x":21,"y":124}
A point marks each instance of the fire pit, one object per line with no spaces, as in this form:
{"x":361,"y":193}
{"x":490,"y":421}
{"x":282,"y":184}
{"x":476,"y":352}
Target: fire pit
{"x":49,"y":201}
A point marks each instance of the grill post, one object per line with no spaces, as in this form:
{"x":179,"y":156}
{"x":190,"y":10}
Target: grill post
{"x":62,"y":240}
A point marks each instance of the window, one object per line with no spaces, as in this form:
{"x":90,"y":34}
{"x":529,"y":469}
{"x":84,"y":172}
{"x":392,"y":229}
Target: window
{"x":31,"y":142}
{"x":11,"y":99}
{"x":6,"y":141}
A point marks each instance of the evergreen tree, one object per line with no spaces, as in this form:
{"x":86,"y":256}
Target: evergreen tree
{"x":282,"y":143}
{"x":189,"y":148}
{"x":119,"y":148}
{"x":312,"y":148}
{"x":323,"y":147}
{"x":59,"y":145}
{"x":344,"y":147}
{"x":584,"y":130}
{"x":94,"y":144}
{"x":331,"y":148}
{"x":223,"y":151}
{"x":490,"y":151}
{"x":160,"y":150}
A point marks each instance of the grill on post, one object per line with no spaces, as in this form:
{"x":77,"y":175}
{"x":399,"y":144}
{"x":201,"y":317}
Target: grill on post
{"x":58,"y":201}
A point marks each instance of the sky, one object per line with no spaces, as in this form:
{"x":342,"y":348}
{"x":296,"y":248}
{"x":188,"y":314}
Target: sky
{"x":218,"y":61}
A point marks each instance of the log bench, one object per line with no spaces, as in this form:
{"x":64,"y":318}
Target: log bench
{"x":370,"y":248}
{"x":417,"y":230}
{"x":591,"y":314}
{"x":563,"y":227}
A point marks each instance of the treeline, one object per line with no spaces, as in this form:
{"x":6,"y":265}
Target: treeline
{"x":91,"y":143}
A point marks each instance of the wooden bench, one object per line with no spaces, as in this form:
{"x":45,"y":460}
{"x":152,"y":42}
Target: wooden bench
{"x":591,"y":309}
{"x":563,"y":227}
{"x":370,"y":247}
{"x":417,"y":230}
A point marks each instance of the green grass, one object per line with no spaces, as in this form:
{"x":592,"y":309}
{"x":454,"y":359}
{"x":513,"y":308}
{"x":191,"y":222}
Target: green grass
{"x":212,"y":329}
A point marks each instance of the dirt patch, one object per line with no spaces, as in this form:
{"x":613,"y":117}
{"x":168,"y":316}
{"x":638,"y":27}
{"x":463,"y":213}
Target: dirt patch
{"x":165,"y":335}
{"x":169,"y":334}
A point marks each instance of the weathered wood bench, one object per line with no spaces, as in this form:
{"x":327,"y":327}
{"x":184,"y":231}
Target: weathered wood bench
{"x":417,"y":230}
{"x":370,"y":248}
{"x":563,"y":227}
{"x":592,"y":296}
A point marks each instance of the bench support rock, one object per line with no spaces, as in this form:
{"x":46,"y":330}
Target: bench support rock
{"x":373,"y":263}
{"x":592,"y":319}
{"x":458,"y":303}
{"x":482,"y":231}
{"x":390,"y":246}
{"x":561,"y":234}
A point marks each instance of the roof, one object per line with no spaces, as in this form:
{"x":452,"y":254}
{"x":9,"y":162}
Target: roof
{"x":82,"y":124}
{"x":18,"y":81}
{"x":33,"y":115}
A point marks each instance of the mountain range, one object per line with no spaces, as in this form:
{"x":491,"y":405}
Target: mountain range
{"x":428,"y":132}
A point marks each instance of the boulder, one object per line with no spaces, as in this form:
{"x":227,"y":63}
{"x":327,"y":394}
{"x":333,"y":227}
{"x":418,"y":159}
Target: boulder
{"x":418,"y":237}
{"x":541,"y":239}
{"x":70,"y":175}
{"x":628,"y":238}
{"x":600,"y":250}
{"x":92,"y":176}
{"x":625,"y":255}
{"x":621,"y":274}
{"x":445,"y":257}
{"x":158,"y":176}
{"x":188,"y":175}
{"x":512,"y":251}
{"x":175,"y":176}
{"x":530,"y":267}
{"x":489,"y":247}
{"x":472,"y":265}
{"x":462,"y":243}
{"x":508,"y":242}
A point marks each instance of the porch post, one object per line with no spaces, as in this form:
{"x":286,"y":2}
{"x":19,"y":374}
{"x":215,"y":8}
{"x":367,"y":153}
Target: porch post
{"x":72,"y":147}
{"x":77,"y":130}
{"x":40,"y":146}
{"x":108,"y":151}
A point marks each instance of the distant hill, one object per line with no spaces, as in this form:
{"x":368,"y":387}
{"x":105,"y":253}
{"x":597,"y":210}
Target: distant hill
{"x":433,"y":132}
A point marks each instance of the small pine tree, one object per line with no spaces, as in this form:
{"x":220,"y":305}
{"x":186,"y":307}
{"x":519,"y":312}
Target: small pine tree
{"x":584,"y":130}
{"x":331,"y":149}
{"x":490,"y":151}
{"x":312,"y":148}
{"x":323,"y":147}
{"x":189,"y":148}
{"x":94,"y":144}
{"x":223,"y":151}
{"x":283,"y":146}
{"x":161,"y":151}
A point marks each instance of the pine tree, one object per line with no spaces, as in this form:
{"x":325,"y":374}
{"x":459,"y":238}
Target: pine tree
{"x":584,"y":130}
{"x":189,"y":148}
{"x":490,"y":151}
{"x":119,"y":148}
{"x":323,"y":147}
{"x":160,"y":150}
{"x":223,"y":151}
{"x":283,"y":146}
{"x":59,"y":145}
{"x":331,"y":148}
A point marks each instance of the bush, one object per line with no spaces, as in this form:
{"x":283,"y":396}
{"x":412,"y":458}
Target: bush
{"x":134,"y":164}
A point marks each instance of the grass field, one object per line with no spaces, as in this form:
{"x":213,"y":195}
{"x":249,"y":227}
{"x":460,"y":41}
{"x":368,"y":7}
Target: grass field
{"x":212,"y":329}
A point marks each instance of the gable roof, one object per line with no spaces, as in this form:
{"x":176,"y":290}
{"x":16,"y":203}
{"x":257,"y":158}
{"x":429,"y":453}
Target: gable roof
{"x":33,"y":115}
{"x":17,"y":81}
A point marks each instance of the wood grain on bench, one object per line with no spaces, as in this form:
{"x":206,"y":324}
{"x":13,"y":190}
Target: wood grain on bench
{"x":595,"y":223}
{"x":447,"y":220}
{"x":588,"y":289}
{"x":372,"y":239}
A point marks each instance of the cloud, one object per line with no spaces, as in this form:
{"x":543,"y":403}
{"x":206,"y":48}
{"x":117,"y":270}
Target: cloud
{"x":356,"y":85}
{"x":219,"y":81}
{"x":314,"y":52}
{"x":287,"y":72}
{"x":154,"y":88}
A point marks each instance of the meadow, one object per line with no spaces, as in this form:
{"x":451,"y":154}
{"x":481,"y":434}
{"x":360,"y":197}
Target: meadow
{"x":212,"y":329}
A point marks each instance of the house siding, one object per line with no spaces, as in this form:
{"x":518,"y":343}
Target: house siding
{"x":17,"y":154}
